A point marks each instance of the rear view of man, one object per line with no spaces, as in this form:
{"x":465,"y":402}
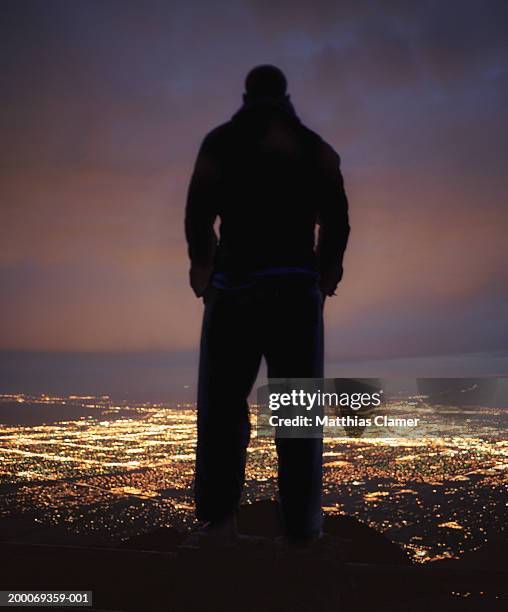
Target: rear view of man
{"x":270,"y":181}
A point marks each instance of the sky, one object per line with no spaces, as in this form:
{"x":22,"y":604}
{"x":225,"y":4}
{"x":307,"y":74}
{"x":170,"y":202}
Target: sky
{"x":104,"y":104}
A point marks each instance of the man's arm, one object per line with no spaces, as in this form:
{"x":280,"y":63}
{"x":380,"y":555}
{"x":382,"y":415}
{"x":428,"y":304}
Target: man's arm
{"x":200,"y":215}
{"x":333,"y":222}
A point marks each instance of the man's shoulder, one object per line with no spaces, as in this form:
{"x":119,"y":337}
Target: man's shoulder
{"x":323,"y":149}
{"x":218,"y":135}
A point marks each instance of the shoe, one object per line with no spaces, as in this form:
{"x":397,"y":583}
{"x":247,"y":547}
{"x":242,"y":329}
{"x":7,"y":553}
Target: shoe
{"x":287,"y":541}
{"x":215,"y":534}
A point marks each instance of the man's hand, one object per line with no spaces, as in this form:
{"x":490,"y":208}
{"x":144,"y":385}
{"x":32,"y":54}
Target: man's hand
{"x":200,"y":278}
{"x":329,"y":280}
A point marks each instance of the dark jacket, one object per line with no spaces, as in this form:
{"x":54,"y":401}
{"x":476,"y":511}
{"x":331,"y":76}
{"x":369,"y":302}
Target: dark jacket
{"x":270,"y":180}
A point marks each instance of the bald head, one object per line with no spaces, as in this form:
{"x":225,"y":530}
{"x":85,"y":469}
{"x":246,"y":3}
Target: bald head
{"x":265,"y":82}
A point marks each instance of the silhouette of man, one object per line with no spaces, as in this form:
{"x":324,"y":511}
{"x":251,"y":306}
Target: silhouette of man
{"x":271,"y":182}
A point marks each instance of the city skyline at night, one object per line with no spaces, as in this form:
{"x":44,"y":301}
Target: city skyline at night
{"x":110,"y":470}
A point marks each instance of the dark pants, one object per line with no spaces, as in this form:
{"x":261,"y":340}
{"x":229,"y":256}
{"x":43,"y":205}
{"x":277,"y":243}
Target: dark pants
{"x":282,"y":320}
